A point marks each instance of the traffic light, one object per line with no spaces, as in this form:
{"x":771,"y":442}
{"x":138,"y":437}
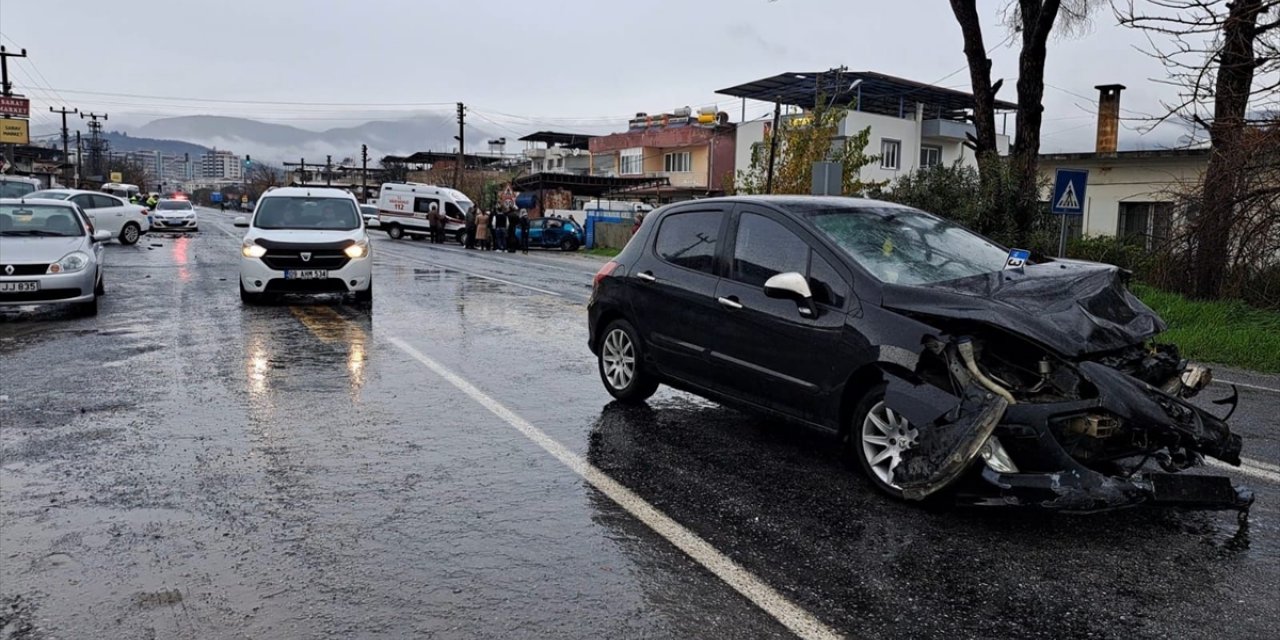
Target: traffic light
{"x":246,"y":161}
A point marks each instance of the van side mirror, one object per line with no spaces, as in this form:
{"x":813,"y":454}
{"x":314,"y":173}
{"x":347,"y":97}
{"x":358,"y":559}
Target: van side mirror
{"x":241,"y":221}
{"x":792,"y":286}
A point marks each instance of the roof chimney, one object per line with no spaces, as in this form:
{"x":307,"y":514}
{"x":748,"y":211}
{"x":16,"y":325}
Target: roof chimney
{"x":1108,"y":118}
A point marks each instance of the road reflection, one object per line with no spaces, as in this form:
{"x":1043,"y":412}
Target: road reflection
{"x":181,"y":256}
{"x":304,"y":348}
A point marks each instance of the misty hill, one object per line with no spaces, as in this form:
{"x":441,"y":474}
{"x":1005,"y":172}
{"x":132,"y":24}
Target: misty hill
{"x":278,"y":142}
{"x":124,"y":142}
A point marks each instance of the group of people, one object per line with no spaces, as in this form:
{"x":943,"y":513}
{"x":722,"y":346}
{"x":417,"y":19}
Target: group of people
{"x":496,"y":231}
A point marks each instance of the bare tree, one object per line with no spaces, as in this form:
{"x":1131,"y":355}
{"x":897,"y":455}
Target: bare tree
{"x":260,"y":177}
{"x":1224,"y":54}
{"x":132,"y":172}
{"x":1035,"y":21}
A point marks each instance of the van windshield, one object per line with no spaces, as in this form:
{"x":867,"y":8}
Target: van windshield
{"x":307,"y":213}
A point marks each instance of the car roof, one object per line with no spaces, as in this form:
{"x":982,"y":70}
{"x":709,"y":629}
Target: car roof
{"x":804,"y":202}
{"x":308,"y":192}
{"x":45,"y":201}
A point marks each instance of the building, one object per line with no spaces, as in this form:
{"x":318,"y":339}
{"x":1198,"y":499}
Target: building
{"x":1130,"y":194}
{"x":693,"y":152}
{"x":912,"y":124}
{"x":221,"y":164}
{"x":558,"y":152}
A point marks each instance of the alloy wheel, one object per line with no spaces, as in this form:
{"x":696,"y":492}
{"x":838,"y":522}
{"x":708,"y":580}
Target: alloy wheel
{"x":619,"y":357}
{"x":886,"y":435}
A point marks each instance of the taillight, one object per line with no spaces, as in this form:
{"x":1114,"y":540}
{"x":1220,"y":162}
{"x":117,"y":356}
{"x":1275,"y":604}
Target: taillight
{"x":603,"y":273}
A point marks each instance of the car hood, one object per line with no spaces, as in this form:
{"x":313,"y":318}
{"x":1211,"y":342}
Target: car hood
{"x":304,"y":236}
{"x":37,"y":250}
{"x":1074,"y":308}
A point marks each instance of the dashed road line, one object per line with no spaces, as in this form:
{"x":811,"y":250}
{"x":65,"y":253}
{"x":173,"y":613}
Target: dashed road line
{"x":1251,"y":468}
{"x":1248,"y":386}
{"x":799,"y":621}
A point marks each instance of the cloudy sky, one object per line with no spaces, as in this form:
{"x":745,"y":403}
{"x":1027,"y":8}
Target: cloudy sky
{"x":520,"y":65}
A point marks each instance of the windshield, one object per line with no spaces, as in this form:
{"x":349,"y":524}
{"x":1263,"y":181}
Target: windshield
{"x":38,"y":220}
{"x":173,"y":205}
{"x":368,"y":210}
{"x":15,"y":189}
{"x":307,"y":213}
{"x":51,"y":194}
{"x":906,"y":246}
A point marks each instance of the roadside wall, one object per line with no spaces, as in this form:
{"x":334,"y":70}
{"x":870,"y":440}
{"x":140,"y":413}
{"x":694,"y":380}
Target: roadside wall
{"x":612,"y":235}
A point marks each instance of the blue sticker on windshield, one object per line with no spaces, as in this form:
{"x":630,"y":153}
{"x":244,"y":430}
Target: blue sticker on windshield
{"x":1017,"y":258}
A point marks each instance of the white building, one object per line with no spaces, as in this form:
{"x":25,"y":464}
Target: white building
{"x":912,"y":124}
{"x":221,"y":164}
{"x":557,"y":152}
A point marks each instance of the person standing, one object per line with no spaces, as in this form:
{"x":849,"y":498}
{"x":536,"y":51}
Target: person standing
{"x":482,"y":230}
{"x":500,"y":223}
{"x":472,"y":214}
{"x":433,"y":223}
{"x":524,"y":231}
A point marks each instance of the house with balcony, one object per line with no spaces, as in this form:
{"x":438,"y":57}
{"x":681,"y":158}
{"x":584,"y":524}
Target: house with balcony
{"x":912,"y":124}
{"x":558,"y":152}
{"x":687,"y":154}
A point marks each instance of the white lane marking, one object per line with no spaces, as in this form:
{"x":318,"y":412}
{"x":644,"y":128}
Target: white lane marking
{"x":224,"y":230}
{"x":799,"y":621}
{"x":470,"y":273}
{"x":1252,"y":468}
{"x":1248,"y":386}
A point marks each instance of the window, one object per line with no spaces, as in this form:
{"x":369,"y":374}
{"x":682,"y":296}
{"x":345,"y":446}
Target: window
{"x":825,"y":282}
{"x":689,"y":239}
{"x":423,"y":205}
{"x":555,"y":224}
{"x":679,"y":162}
{"x":307,"y":213}
{"x":631,"y":162}
{"x":765,"y":248}
{"x":1146,"y":223}
{"x":85,"y":201}
{"x":890,"y":153}
{"x":104,"y":202}
{"x":930,"y":156}
{"x":451,"y":210}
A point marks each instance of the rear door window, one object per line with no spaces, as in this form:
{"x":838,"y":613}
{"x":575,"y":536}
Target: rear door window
{"x":105,"y":202}
{"x":764,"y":248}
{"x":689,"y":239}
{"x":85,"y":201}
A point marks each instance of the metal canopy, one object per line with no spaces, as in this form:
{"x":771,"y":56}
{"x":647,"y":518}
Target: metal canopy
{"x":583,"y":185}
{"x":863,"y":90}
{"x":566,"y":140}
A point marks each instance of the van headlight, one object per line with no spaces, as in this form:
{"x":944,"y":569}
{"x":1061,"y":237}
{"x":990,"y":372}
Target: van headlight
{"x":358,"y":250}
{"x":74,"y":261}
{"x":251,"y":250}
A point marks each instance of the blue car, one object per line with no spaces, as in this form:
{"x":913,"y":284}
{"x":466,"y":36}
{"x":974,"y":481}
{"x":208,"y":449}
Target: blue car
{"x":551,"y":233}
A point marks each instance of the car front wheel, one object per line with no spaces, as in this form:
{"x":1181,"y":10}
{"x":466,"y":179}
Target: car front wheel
{"x":877,"y":438}
{"x":395,"y":232}
{"x":130,"y":234}
{"x":619,"y":362}
{"x":569,"y":244}
{"x":248,"y":297}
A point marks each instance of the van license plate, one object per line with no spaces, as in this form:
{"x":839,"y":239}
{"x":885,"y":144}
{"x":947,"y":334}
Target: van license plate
{"x":306,"y":274}
{"x":19,"y":287}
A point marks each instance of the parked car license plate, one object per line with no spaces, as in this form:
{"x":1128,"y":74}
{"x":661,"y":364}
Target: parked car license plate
{"x":305,"y":274}
{"x":19,"y":287}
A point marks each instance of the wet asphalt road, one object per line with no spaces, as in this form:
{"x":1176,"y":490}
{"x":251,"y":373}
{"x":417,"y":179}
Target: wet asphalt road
{"x":184,"y":467}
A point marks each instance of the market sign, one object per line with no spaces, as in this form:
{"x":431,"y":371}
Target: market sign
{"x":10,"y":106}
{"x":14,"y":132}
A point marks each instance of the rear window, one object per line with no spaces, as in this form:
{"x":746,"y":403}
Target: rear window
{"x":37,"y":220}
{"x":15,"y":189}
{"x":173,"y":205}
{"x":307,"y":213}
{"x":689,"y":239}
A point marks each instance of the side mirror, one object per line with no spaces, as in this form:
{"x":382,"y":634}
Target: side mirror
{"x":241,"y":221}
{"x":792,"y":286}
{"x":101,"y":236}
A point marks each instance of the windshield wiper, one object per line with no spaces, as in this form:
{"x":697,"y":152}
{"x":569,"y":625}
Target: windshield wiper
{"x":34,"y":232}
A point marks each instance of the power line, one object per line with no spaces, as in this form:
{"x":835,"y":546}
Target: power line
{"x":256,"y":102}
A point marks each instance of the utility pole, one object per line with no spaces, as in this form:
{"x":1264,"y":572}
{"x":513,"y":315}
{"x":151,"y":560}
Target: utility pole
{"x":6,"y":87}
{"x":462,"y":143}
{"x":773,"y":145}
{"x":96,"y":147}
{"x":364,"y":173}
{"x":328,"y":171}
{"x":66,"y":139}
{"x":79,"y":160}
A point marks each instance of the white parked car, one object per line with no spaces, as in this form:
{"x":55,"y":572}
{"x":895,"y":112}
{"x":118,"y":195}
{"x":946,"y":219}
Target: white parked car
{"x":126,"y":222}
{"x":305,"y":240}
{"x":49,"y":254}
{"x":175,"y":214}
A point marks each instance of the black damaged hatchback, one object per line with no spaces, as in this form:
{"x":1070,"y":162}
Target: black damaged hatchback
{"x":938,"y":362}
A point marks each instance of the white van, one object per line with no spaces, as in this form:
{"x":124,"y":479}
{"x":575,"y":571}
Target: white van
{"x":121,"y":190}
{"x":615,"y":209}
{"x":403,"y":207}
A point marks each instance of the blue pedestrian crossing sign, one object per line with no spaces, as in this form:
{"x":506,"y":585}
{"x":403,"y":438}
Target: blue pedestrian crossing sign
{"x":1068,"y":191}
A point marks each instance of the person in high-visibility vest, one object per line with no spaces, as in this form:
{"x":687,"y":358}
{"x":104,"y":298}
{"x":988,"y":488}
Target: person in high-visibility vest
{"x":151,"y":201}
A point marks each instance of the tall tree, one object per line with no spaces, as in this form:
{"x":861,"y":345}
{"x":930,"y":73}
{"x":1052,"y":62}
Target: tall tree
{"x":1224,"y":58}
{"x":1035,"y":21}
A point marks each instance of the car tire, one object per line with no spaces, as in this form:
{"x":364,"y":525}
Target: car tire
{"x":461,"y":237}
{"x":130,"y":233}
{"x":874,"y":430}
{"x":250,"y":298}
{"x":620,"y":364}
{"x":569,"y":244}
{"x":100,"y":289}
{"x":89,"y":309}
{"x":395,"y":231}
{"x":365,"y":298}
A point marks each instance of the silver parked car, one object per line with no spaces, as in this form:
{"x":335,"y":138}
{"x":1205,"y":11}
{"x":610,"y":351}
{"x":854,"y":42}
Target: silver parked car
{"x":49,"y":254}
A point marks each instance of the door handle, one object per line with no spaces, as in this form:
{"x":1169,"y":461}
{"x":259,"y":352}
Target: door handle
{"x":731,"y":303}
{"x":646,"y":276}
